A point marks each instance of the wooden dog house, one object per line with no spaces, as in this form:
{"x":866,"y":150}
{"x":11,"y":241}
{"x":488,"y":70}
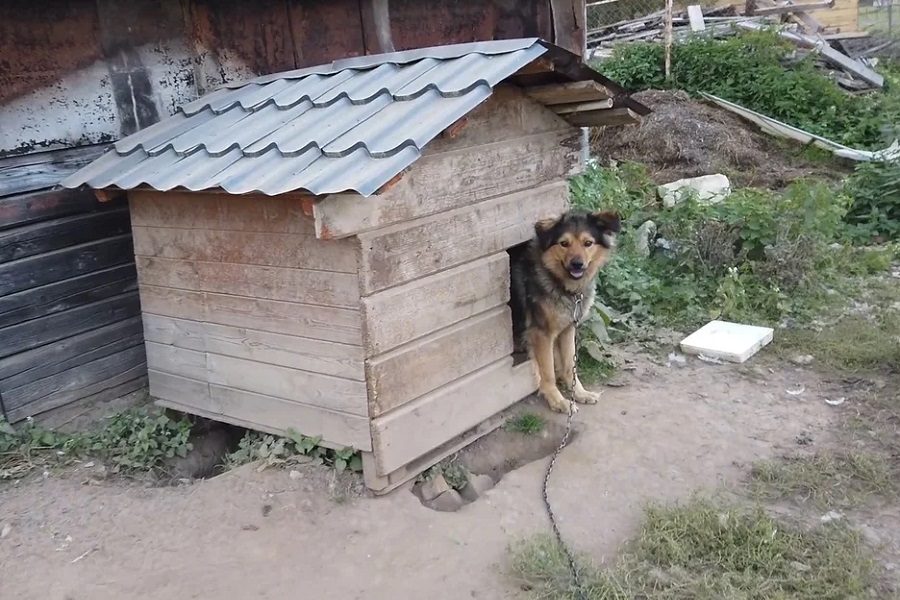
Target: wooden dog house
{"x":325,"y":249}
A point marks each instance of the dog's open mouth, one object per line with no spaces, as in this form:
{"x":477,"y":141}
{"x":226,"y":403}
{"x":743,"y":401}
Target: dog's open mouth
{"x":576,"y":272}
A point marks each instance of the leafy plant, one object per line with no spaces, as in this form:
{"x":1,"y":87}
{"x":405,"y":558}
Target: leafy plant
{"x":277,"y":451}
{"x":875,"y":191}
{"x":760,"y":71}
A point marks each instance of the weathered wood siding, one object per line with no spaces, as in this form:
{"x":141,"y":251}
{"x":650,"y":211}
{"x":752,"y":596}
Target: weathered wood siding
{"x":248,"y":317}
{"x":70,"y":324}
{"x":434,"y":276}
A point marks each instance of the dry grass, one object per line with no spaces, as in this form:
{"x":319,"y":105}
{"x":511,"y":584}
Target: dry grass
{"x":705,"y":549}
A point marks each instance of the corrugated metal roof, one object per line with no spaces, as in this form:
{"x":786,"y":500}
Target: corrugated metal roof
{"x":351,"y":125}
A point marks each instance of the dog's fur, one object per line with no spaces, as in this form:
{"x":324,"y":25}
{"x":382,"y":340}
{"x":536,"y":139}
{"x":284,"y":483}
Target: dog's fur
{"x":560,"y":262}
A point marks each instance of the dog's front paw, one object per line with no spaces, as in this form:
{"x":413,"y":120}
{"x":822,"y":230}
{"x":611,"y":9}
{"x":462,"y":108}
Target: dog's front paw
{"x":585,"y":397}
{"x":555,"y":400}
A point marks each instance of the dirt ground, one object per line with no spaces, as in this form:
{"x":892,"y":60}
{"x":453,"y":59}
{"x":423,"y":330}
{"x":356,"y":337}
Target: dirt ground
{"x":668,"y":432}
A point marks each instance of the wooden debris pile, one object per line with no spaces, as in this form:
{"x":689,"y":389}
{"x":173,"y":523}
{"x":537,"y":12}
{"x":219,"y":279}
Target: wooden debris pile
{"x":794,"y":21}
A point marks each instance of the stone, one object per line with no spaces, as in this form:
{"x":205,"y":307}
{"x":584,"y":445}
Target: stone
{"x":449,"y":501}
{"x":831,"y":515}
{"x":295,"y":474}
{"x":434,"y":487}
{"x":802,"y":359}
{"x":708,"y":189}
{"x":476,"y":486}
{"x":643,"y":238}
{"x":7,"y":528}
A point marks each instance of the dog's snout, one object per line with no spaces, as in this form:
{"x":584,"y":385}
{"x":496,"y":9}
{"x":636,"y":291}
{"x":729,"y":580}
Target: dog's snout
{"x":577,"y":263}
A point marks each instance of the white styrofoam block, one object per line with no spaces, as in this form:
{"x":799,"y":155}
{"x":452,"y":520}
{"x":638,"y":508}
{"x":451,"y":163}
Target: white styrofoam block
{"x":733,"y":342}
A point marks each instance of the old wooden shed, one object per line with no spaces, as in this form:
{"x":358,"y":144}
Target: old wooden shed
{"x":326,"y":249}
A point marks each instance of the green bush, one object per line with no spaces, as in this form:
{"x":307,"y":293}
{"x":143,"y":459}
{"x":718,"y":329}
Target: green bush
{"x":875,"y":191}
{"x":750,"y":69}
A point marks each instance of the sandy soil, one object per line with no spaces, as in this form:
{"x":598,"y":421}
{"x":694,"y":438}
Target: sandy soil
{"x":668,"y":432}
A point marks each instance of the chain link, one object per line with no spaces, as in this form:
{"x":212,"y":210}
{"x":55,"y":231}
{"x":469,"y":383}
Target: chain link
{"x":576,"y":578}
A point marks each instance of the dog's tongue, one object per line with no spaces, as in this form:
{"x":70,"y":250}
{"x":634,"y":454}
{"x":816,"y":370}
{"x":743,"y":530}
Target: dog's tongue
{"x":576,"y":273}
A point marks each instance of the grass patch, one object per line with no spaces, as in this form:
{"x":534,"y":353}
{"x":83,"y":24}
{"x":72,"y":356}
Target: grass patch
{"x":527,"y":423}
{"x":854,"y":343}
{"x":703,"y":549}
{"x":826,"y":479}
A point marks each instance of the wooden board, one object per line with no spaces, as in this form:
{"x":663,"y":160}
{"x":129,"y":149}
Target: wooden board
{"x":68,"y":293}
{"x":77,"y":382}
{"x":323,"y":288}
{"x":425,"y":364}
{"x":406,"y":312}
{"x":407,"y":251}
{"x":796,"y":7}
{"x":248,"y":248}
{"x":565,"y":93}
{"x":418,"y":427}
{"x":316,"y":356}
{"x":316,"y":322}
{"x":19,"y":210}
{"x":313,"y":389}
{"x":47,"y":268}
{"x":259,"y":412}
{"x":611,"y":117}
{"x":218,"y":212}
{"x":441,"y":182}
{"x":57,"y":326}
{"x":60,"y":233}
{"x":38,"y":363}
{"x":564,"y":110}
{"x":177,"y":361}
{"x":19,"y":174}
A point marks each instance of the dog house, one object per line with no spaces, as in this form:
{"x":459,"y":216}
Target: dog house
{"x":325,"y":249}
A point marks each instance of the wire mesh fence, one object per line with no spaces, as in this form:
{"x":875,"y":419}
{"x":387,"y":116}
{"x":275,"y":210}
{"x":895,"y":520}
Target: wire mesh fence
{"x":880,"y":16}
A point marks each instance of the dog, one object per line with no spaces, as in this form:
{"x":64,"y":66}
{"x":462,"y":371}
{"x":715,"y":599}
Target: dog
{"x":548,"y":275}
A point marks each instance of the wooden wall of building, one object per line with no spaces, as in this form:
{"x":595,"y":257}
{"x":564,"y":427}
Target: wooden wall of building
{"x":70,"y":326}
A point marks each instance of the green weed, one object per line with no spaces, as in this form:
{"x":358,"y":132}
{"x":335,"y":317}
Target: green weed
{"x":527,"y":423}
{"x":704,"y":549}
{"x":278,"y":451}
{"x":757,"y":70}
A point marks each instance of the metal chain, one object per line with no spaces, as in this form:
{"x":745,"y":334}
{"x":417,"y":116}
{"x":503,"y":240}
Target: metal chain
{"x":576,"y":579}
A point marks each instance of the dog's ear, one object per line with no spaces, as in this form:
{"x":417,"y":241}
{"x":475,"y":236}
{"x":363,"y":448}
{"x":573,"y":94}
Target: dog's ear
{"x":543,"y":231}
{"x":608,"y":225}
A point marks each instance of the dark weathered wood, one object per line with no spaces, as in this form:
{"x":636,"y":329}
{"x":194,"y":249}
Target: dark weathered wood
{"x":39,"y":206}
{"x":78,"y":381}
{"x":60,"y":233}
{"x":26,"y":367}
{"x":40,"y":170}
{"x":58,"y":326}
{"x":68,"y":293}
{"x":34,"y":271}
{"x":325,"y":29}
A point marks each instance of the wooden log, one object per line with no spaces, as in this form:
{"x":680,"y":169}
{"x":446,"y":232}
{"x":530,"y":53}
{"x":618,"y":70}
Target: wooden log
{"x":68,"y":293}
{"x":53,"y":266}
{"x":451,"y":180}
{"x":60,"y":233}
{"x":406,"y":312}
{"x":248,"y":248}
{"x":316,"y":322}
{"x":38,"y":363}
{"x":79,"y":381}
{"x":408,"y":251}
{"x":322,"y":288}
{"x":218,"y":212}
{"x":259,"y":412}
{"x":19,"y":174}
{"x":418,"y":427}
{"x":612,"y":117}
{"x":302,"y":387}
{"x":306,"y":354}
{"x":58,"y":326}
{"x":19,"y":210}
{"x":427,"y":363}
{"x":567,"y":93}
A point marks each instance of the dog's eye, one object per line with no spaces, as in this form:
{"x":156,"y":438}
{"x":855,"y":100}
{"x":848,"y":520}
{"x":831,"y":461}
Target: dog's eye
{"x":564,"y":243}
{"x":588,"y":243}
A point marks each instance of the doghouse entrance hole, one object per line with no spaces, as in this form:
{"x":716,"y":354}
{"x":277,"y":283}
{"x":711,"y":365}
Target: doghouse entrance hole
{"x":519,"y":354}
{"x":530,"y":433}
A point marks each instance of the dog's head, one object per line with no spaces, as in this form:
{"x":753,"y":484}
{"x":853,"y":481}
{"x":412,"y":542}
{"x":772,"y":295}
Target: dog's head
{"x":575,"y":245}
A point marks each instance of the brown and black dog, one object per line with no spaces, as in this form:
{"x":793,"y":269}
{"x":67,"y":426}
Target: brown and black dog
{"x":549,"y":274}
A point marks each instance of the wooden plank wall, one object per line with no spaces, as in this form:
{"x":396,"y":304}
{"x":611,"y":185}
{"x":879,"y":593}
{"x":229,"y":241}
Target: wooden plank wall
{"x":248,"y":317}
{"x":434,"y":275}
{"x":70,"y":327}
